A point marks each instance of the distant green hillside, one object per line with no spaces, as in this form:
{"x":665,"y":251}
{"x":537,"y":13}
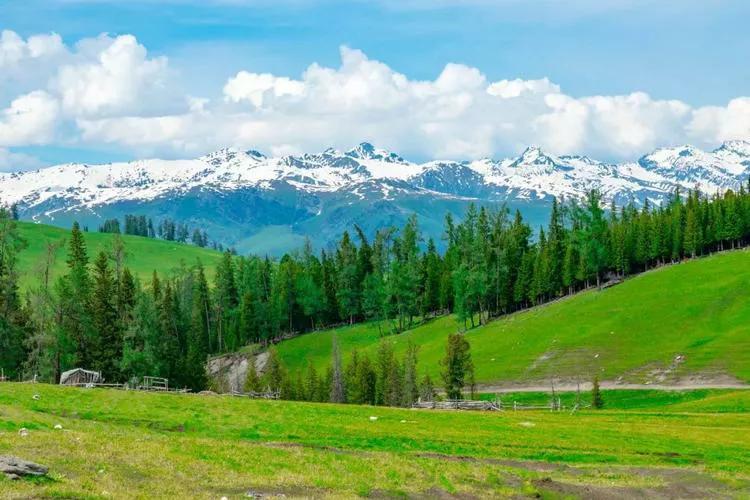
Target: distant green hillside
{"x":144,"y":255}
{"x":698,"y":310}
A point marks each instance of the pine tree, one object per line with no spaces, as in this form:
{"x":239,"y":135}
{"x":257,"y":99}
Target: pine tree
{"x":13,"y":319}
{"x":597,"y":401}
{"x":227,"y":299}
{"x":108,"y":339}
{"x":411,"y":381}
{"x":458,"y":368}
{"x":76,"y":321}
{"x":252,"y":380}
{"x":347,"y":290}
{"x":384,"y":372}
{"x":433,"y":271}
{"x":199,"y":341}
{"x":338,"y":388}
{"x":274,"y":376}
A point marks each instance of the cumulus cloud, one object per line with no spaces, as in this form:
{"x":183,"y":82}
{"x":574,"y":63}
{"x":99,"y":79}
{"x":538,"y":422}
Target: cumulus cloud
{"x":30,"y":119}
{"x":14,"y":50}
{"x":509,"y":89}
{"x":259,"y":87}
{"x":111,"y":91}
{"x":114,"y":82}
{"x":716,"y":123}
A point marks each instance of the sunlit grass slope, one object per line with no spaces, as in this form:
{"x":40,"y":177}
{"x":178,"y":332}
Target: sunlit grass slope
{"x":126,"y":444}
{"x":699,"y":310}
{"x":144,"y":255}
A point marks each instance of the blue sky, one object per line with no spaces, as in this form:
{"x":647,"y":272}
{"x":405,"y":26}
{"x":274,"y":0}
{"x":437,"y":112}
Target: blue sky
{"x":691,"y":51}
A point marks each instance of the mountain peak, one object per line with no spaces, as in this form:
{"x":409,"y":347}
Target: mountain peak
{"x":254,"y":153}
{"x":366,"y":151}
{"x":534,"y":156}
{"x":738,"y":146}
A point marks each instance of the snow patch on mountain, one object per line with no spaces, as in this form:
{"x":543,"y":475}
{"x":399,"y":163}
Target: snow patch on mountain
{"x":367,"y":172}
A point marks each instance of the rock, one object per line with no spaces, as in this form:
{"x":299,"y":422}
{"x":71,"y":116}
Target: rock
{"x":15,"y":468}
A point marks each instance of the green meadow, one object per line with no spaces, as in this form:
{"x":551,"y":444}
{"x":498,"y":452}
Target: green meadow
{"x":632,"y":332}
{"x":143,"y":255}
{"x":127,"y":444}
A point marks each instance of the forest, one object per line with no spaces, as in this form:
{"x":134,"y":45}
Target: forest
{"x":97,"y":315}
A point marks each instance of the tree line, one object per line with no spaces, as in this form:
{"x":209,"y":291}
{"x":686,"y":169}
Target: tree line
{"x":167,"y":229}
{"x":386,"y":380}
{"x":97,"y":315}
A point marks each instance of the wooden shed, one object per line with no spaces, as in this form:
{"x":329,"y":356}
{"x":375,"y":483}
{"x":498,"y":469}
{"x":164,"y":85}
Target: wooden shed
{"x":79,"y":376}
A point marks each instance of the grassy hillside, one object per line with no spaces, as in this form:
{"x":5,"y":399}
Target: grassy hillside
{"x":125,"y":444}
{"x":699,"y":310}
{"x":144,"y":255}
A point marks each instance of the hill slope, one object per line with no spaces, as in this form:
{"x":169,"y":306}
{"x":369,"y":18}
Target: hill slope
{"x":688,"y":323}
{"x":143,"y":255}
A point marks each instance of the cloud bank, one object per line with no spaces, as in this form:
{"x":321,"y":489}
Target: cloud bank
{"x":109,"y":92}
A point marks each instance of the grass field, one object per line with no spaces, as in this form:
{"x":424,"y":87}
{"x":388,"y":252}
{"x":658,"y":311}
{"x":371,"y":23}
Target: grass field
{"x":144,"y":255}
{"x":698,"y":310}
{"x":128,"y":444}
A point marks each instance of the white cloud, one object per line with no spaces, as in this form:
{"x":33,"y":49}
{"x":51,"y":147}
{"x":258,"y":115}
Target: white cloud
{"x":30,"y":119}
{"x":13,"y":162}
{"x":514,"y":88}
{"x":114,"y":82}
{"x":714,"y":123}
{"x":259,"y":87}
{"x":14,"y":50}
{"x":109,"y":92}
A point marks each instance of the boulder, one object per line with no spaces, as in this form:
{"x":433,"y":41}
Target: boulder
{"x":16,"y":468}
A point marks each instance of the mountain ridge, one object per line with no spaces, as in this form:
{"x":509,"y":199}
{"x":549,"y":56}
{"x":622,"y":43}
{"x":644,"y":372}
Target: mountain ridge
{"x":326,"y":192}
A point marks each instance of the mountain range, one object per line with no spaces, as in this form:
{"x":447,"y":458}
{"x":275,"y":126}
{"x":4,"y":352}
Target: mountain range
{"x":270,"y":204}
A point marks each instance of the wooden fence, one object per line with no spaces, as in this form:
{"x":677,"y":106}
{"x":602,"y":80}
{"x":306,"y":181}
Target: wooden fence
{"x":494,"y":405}
{"x":257,"y":395}
{"x":458,"y":404}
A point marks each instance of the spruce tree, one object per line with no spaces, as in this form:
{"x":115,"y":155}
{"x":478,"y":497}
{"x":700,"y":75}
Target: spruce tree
{"x":13,"y":319}
{"x":77,"y":322}
{"x":108,"y":339}
{"x":338,"y":388}
{"x":597,"y":401}
{"x":458,"y":368}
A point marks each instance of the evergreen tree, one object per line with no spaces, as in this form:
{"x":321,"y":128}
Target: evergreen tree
{"x":597,"y":401}
{"x":275,"y":373}
{"x":252,"y":380}
{"x":338,"y":389}
{"x":458,"y":368}
{"x":107,"y":338}
{"x":76,"y":321}
{"x":411,"y":381}
{"x":347,"y":291}
{"x":200,"y":338}
{"x":13,"y":319}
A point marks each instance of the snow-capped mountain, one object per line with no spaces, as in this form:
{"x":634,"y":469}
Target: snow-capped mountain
{"x":245,"y":197}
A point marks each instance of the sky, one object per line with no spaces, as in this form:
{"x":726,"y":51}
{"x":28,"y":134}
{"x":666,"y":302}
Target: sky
{"x":104,"y":80}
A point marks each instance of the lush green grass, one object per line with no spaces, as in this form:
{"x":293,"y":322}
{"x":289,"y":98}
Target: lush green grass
{"x":713,"y":400}
{"x":129,"y":444}
{"x":144,"y":255}
{"x":698,"y":309}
